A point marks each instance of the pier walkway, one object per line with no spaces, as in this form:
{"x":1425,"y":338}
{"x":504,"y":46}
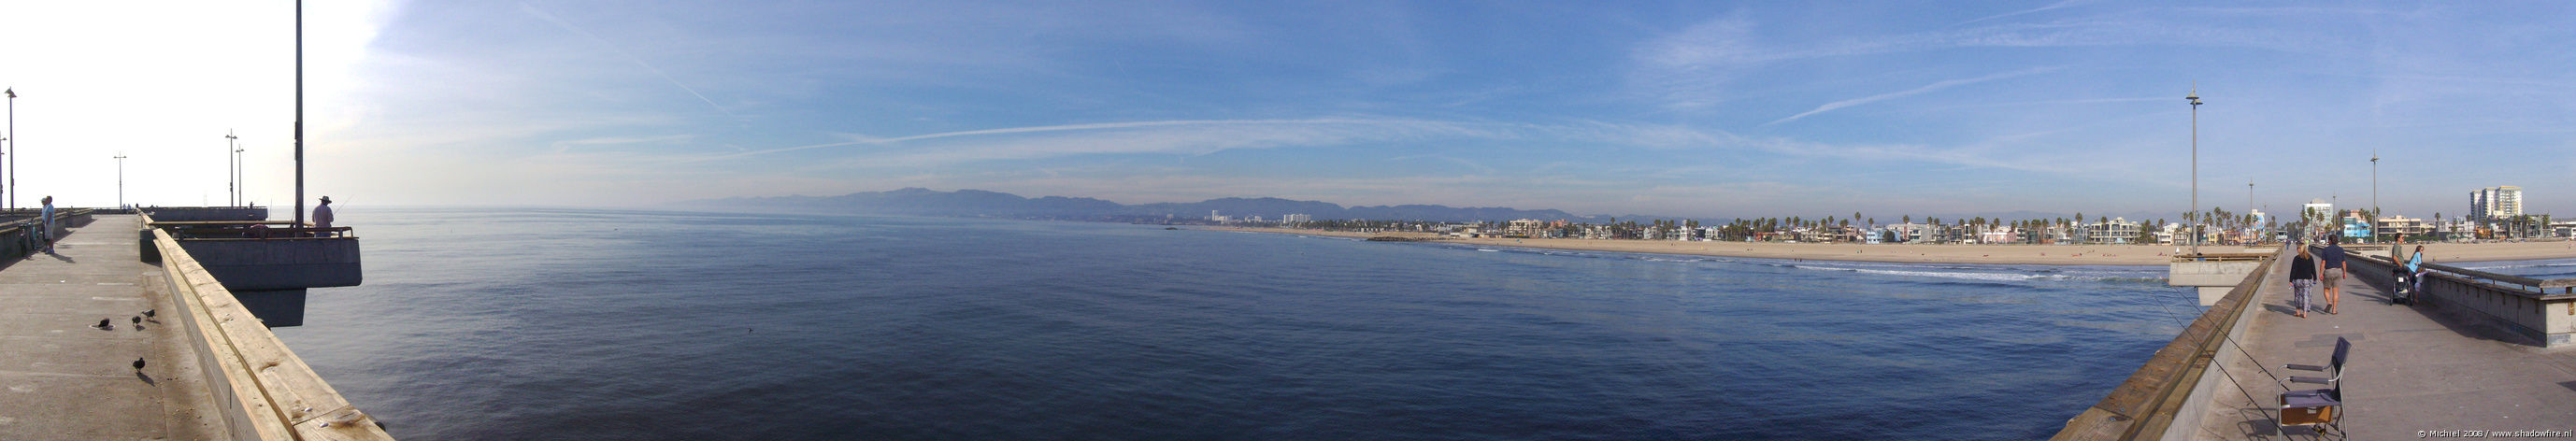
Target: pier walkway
{"x":2412,"y":368}
{"x":66,"y":379}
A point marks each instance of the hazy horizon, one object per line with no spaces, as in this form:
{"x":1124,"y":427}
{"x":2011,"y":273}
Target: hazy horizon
{"x":1667,"y":109}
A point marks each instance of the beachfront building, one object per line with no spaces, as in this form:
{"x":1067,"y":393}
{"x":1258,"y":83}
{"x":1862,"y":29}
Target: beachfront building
{"x":2002,"y":234}
{"x":2354,"y":228}
{"x":2495,"y":204}
{"x":1910,"y":232}
{"x":2107,"y":231}
{"x":1295,"y":219}
{"x":1524,"y":228}
{"x":2402,"y":226}
{"x":2316,"y":214}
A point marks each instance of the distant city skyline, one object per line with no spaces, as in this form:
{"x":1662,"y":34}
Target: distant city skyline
{"x":1679,"y":109}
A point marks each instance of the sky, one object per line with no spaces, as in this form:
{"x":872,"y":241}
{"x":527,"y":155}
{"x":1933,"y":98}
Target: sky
{"x":1711,"y":109}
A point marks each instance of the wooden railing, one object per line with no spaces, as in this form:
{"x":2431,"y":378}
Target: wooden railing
{"x":2146,"y":405}
{"x":263,"y":390}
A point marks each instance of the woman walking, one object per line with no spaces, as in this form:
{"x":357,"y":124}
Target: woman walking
{"x":2303,"y":277}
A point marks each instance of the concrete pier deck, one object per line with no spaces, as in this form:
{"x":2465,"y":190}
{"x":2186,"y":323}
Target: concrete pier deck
{"x":64,"y":379}
{"x":2412,"y":368}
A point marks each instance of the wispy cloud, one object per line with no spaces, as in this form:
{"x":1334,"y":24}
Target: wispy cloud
{"x":1828,"y":107}
{"x":1236,"y":132}
{"x":630,"y":56}
{"x":2050,"y":7}
{"x":1698,"y":66}
{"x":567,"y":145}
{"x":1480,"y":168}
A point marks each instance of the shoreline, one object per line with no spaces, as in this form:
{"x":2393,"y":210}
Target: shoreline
{"x":1944,"y":253}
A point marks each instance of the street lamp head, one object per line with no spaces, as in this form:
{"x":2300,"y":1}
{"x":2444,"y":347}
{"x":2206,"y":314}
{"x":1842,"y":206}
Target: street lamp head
{"x":13,"y":92}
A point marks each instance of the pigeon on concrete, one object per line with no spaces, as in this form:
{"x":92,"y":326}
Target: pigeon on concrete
{"x":148,"y":312}
{"x":104,"y":325}
{"x":138,"y":320}
{"x":138,"y":363}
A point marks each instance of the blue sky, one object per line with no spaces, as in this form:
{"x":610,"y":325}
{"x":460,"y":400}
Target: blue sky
{"x":1690,"y":108}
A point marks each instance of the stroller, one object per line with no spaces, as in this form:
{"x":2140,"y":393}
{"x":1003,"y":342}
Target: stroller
{"x":2407,"y":285}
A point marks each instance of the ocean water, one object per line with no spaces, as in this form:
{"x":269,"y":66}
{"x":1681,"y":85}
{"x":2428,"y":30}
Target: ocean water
{"x":2541,"y":269}
{"x":587,"y":324}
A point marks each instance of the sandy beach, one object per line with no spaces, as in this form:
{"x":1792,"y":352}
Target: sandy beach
{"x":1951,"y":253}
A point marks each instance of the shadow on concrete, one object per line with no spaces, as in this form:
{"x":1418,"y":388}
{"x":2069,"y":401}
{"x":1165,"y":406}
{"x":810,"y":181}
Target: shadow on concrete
{"x":2471,"y":327}
{"x":65,"y":259}
{"x":2258,"y":424}
{"x":2285,"y":309}
{"x":147,"y":378}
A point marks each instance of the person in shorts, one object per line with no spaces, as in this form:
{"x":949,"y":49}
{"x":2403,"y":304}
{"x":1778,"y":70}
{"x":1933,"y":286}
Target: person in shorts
{"x":2303,"y":278}
{"x":2332,"y":261}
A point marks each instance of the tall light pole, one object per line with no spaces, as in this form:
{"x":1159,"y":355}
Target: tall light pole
{"x":2250,"y":226}
{"x":299,"y":113}
{"x":13,"y":147}
{"x":120,"y":179}
{"x":242,"y":189}
{"x":2374,"y":195}
{"x":2195,"y":164}
{"x":230,"y":142}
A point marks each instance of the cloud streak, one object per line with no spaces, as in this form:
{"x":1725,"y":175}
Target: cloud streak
{"x":1828,"y":107}
{"x":639,"y":61}
{"x":1399,"y":125}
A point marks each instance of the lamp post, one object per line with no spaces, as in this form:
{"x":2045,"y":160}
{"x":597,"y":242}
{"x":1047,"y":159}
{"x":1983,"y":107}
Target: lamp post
{"x":120,"y":179}
{"x":2374,"y":195}
{"x":242,"y":187}
{"x":230,"y":142}
{"x":299,"y":113}
{"x":13,"y":147}
{"x":2195,"y":164}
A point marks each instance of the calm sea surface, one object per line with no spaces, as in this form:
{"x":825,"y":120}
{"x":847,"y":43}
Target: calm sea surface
{"x":578,"y":324}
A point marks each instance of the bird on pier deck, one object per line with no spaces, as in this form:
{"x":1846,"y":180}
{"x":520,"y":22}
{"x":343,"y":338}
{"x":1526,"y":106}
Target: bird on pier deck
{"x":148,"y":312}
{"x":138,"y":364}
{"x":138,"y":320}
{"x":104,"y":325}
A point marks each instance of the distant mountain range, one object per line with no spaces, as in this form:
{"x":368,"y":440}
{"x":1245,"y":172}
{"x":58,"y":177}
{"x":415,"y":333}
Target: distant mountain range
{"x":980,"y":203}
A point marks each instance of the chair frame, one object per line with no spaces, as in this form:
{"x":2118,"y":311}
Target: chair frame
{"x":2328,"y":401}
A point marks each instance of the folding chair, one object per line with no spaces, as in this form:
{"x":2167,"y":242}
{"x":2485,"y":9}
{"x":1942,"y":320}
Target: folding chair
{"x":2316,"y":407}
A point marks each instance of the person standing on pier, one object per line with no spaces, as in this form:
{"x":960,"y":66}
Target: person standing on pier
{"x":322,"y":217}
{"x":2335,"y":267}
{"x":45,"y":225}
{"x":2303,"y":277}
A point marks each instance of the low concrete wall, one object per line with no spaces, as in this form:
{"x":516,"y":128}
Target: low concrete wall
{"x":18,"y":229}
{"x":2548,"y":319}
{"x":263,"y":390}
{"x":2154,"y":399}
{"x":282,"y":263}
{"x":195,"y":214}
{"x":2208,"y":387}
{"x":2212,"y":278}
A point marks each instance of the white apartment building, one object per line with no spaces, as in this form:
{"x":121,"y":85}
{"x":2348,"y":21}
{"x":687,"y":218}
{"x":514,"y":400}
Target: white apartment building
{"x":2107,"y":231}
{"x":2495,"y":203}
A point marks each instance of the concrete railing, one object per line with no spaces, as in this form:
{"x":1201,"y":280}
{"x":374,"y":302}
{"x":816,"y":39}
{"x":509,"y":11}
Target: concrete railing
{"x":18,"y":229}
{"x":261,"y":389}
{"x":2175,"y":382}
{"x":2523,"y":306}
